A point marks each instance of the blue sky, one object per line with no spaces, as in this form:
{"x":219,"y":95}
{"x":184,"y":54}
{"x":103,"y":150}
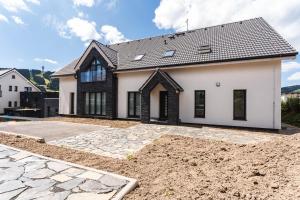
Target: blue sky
{"x":53,"y":32}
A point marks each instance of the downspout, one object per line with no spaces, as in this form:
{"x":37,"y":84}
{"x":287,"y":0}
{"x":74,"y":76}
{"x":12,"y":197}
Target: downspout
{"x":274,"y":88}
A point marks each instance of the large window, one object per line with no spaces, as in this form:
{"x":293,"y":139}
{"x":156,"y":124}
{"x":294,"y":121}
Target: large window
{"x":96,"y":72}
{"x":239,"y":104}
{"x":134,"y":104}
{"x":200,"y":103}
{"x":95,"y":103}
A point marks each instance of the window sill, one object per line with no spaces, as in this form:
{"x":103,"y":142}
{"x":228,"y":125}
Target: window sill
{"x":240,"y":119}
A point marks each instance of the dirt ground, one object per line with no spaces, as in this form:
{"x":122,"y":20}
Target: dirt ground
{"x":175,"y":167}
{"x":103,"y":122}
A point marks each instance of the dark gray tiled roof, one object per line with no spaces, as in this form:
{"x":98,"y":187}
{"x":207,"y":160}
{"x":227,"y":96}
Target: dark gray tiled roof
{"x":249,"y":39}
{"x":67,"y":70}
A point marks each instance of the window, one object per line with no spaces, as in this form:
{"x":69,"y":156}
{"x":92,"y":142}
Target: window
{"x":16,"y":88}
{"x":96,"y":72}
{"x":134,"y":104}
{"x":95,"y":103}
{"x":139,"y":57}
{"x":27,"y":89}
{"x":9,"y":104}
{"x":16,"y":104}
{"x":239,"y":104}
{"x":204,"y":49}
{"x":0,"y":91}
{"x":10,"y":88}
{"x":200,"y":103}
{"x":169,"y":53}
{"x":13,"y":77}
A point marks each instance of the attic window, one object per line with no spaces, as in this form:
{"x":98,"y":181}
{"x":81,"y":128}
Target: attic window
{"x":139,"y":57}
{"x":204,"y":49}
{"x":169,"y":53}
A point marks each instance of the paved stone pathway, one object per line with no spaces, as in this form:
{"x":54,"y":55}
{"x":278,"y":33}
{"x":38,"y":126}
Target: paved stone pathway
{"x":25,"y":176}
{"x":121,"y":142}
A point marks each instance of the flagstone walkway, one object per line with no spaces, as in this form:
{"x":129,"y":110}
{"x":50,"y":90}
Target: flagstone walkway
{"x":25,"y":176}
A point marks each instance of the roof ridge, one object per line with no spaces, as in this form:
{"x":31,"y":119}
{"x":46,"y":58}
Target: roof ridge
{"x":173,"y":33}
{"x":105,"y":46}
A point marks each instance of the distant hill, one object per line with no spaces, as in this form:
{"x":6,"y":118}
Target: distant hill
{"x":41,"y":80}
{"x":289,"y":89}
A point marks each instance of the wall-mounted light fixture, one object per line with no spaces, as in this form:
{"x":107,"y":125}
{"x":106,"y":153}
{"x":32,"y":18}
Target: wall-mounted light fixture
{"x":218,"y":84}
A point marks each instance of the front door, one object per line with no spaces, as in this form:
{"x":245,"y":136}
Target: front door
{"x":163,"y":105}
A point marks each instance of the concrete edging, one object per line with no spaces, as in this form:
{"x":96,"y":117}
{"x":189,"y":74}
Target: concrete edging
{"x":132,"y":183}
{"x":39,"y":139}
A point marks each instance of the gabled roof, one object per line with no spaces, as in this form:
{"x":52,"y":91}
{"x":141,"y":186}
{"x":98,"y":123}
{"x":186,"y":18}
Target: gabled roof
{"x":166,"y":77}
{"x":67,"y":70}
{"x":7,"y":71}
{"x":245,"y":40}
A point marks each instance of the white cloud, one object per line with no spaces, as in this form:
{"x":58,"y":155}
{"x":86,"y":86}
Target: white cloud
{"x":59,"y":26}
{"x":17,"y":5}
{"x":3,"y":18}
{"x":290,"y":65}
{"x":283,"y":15}
{"x":112,"y":35}
{"x":17,"y":20}
{"x":294,"y":77}
{"x":85,"y":30}
{"x":87,"y":3}
{"x":111,"y":4}
{"x":47,"y":60}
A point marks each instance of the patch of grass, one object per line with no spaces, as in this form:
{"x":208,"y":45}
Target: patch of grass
{"x":292,"y":119}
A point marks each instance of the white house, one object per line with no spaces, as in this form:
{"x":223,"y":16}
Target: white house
{"x":11,"y":84}
{"x":222,"y":75}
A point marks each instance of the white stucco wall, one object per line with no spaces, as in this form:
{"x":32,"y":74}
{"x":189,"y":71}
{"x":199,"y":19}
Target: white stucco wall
{"x":67,"y":85}
{"x":260,"y":79}
{"x":6,"y":81}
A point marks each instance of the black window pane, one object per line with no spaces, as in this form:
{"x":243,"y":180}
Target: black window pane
{"x":239,"y":104}
{"x":131,"y":104}
{"x":200,"y":103}
{"x":87,"y":103}
{"x":92,"y":103}
{"x":103,"y":102}
{"x":138,"y":104}
{"x":98,"y":103}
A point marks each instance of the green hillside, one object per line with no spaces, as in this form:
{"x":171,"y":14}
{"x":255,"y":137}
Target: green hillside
{"x":289,"y":89}
{"x":41,"y":80}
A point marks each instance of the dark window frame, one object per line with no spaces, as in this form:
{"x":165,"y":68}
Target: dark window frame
{"x":16,"y":88}
{"x":13,"y":77}
{"x":10,"y":88}
{"x":244,"y":117}
{"x":195,"y":96}
{"x":9,"y":104}
{"x":15,"y":104}
{"x":103,"y":112}
{"x":92,"y":70}
{"x":134,"y":103}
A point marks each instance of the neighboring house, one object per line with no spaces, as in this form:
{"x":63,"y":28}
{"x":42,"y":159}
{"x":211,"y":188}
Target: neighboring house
{"x":11,"y":84}
{"x":221,"y":75}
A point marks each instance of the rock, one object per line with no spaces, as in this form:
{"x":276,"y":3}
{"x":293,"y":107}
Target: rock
{"x":12,"y":173}
{"x":38,"y":183}
{"x":41,"y":173}
{"x":58,"y":167}
{"x":90,"y":175}
{"x":111,"y":181}
{"x":274,"y":185}
{"x":73,"y":171}
{"x":68,"y":185}
{"x":41,"y":140}
{"x":33,"y":193}
{"x":94,"y":186}
{"x":61,"y":177}
{"x":11,"y":194}
{"x":236,"y":194}
{"x":55,"y":196}
{"x":11,"y":185}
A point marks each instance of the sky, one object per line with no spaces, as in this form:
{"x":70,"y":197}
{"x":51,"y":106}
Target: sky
{"x":51,"y":33}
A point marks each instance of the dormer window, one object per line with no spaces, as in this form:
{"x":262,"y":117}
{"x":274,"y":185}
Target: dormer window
{"x":13,"y":77}
{"x":96,"y":72}
{"x":139,"y":57}
{"x":204,"y":49}
{"x":169,"y":53}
